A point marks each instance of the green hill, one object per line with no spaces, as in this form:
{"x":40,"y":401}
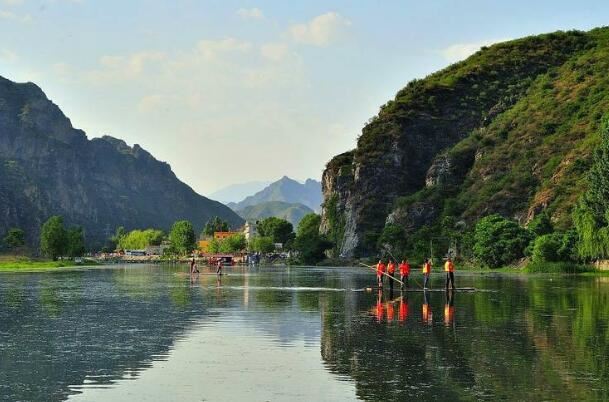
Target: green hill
{"x":286,"y":190}
{"x":510,"y":130}
{"x":292,"y":212}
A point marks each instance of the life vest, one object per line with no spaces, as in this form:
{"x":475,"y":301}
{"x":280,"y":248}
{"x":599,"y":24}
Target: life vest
{"x":404,"y":269}
{"x":391,"y":268}
{"x":427,"y":268}
{"x":449,"y":266}
{"x":380,"y":268}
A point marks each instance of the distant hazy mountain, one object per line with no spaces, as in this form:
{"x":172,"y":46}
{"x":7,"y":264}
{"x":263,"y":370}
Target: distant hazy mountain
{"x":237,"y":192}
{"x":293,"y":213}
{"x":286,"y":190}
{"x":47,"y":167}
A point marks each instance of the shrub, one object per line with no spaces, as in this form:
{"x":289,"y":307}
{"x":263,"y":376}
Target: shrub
{"x":499,"y":241}
{"x":546,"y":248}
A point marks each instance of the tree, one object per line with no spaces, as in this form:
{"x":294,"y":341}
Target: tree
{"x":541,"y":224}
{"x":280,"y":230}
{"x":182,"y":237}
{"x":215,"y":224}
{"x":14,"y":238}
{"x":262,"y":244}
{"x":140,"y":239}
{"x":546,"y":248}
{"x":75,"y":242}
{"x":591,"y":214}
{"x":310,"y":244}
{"x":499,"y":241}
{"x":53,"y":237}
{"x":234,"y":243}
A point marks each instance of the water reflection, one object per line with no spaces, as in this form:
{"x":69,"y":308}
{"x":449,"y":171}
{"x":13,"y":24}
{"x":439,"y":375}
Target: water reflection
{"x":76,"y":331}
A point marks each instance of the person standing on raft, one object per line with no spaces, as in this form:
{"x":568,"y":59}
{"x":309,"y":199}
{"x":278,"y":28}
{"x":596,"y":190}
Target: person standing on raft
{"x":380,"y":271}
{"x":426,"y":272}
{"x":449,"y":268}
{"x":404,"y":273}
{"x":391,"y":272}
{"x":219,"y":265}
{"x":193,"y":266}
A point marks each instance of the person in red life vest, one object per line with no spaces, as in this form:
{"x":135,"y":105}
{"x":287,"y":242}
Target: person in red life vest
{"x":449,"y":309}
{"x":391,"y":272}
{"x":403,"y":313}
{"x":426,"y":313}
{"x":426,"y":272}
{"x":449,"y":268}
{"x":380,"y":271}
{"x":404,"y":273}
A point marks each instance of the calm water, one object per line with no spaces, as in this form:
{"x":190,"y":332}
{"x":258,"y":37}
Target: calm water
{"x":150,"y":333}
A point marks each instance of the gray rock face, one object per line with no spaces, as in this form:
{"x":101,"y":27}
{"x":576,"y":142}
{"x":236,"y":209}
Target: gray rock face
{"x":49,"y":168}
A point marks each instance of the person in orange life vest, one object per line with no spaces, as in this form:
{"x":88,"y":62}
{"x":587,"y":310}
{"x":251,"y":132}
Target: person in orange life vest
{"x":403,"y":313}
{"x":404,"y":273}
{"x":449,"y":308}
{"x":426,"y":272}
{"x":449,"y":268}
{"x":380,"y":271}
{"x":391,"y":272}
{"x":427,"y":314}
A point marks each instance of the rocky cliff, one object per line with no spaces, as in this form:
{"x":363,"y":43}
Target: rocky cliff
{"x":509,"y":130}
{"x":47,"y":167}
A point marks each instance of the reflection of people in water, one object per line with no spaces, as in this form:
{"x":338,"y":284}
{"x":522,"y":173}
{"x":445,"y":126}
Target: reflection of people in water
{"x":449,"y":308}
{"x":427,"y":314}
{"x":379,"y":306}
{"x":403,"y":313}
{"x":390,"y":311}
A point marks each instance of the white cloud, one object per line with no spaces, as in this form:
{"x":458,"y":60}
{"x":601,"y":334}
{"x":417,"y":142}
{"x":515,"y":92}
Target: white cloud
{"x":274,"y":51}
{"x":8,"y":56}
{"x":12,"y":2}
{"x":212,"y":49}
{"x":9,"y":15}
{"x":460,"y":51}
{"x":250,"y":13}
{"x":321,"y":30}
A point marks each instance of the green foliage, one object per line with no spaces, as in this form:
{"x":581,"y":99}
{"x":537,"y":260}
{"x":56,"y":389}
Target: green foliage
{"x":280,"y":230}
{"x":262,"y":244}
{"x":182,"y":237}
{"x":591,"y":215}
{"x":215,"y":224}
{"x":232,"y":244}
{"x":75,"y":242}
{"x":14,"y":238}
{"x":546,"y":248}
{"x":53,"y":237}
{"x":559,"y":267}
{"x":393,"y":239}
{"x":499,"y":241}
{"x":541,"y":224}
{"x":140,"y":239}
{"x":310,"y":244}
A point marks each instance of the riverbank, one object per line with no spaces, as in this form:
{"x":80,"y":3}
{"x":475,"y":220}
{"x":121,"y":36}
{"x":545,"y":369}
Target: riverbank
{"x":18,"y":263}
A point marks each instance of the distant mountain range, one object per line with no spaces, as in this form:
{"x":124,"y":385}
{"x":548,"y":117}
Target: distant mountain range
{"x":237,"y":192}
{"x":286,"y":190}
{"x":292,"y":212}
{"x":47,"y":168}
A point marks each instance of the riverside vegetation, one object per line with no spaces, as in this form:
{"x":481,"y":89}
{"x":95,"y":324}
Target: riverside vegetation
{"x":497,"y":150}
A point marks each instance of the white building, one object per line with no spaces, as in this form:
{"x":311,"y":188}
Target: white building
{"x":249,"y":230}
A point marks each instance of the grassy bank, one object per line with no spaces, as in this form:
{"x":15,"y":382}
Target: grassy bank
{"x":18,"y":263}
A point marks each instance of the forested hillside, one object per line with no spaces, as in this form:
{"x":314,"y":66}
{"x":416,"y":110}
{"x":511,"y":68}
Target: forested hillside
{"x":511,"y":130}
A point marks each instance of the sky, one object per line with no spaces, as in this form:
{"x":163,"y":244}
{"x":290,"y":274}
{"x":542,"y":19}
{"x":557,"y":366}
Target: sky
{"x":234,"y":91}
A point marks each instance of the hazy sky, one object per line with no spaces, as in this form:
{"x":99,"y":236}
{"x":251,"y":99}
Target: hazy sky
{"x":233,"y":91}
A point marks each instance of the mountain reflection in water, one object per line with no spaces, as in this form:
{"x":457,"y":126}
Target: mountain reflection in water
{"x":154,"y":332}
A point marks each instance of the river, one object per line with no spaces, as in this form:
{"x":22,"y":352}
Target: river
{"x":149,"y":332}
